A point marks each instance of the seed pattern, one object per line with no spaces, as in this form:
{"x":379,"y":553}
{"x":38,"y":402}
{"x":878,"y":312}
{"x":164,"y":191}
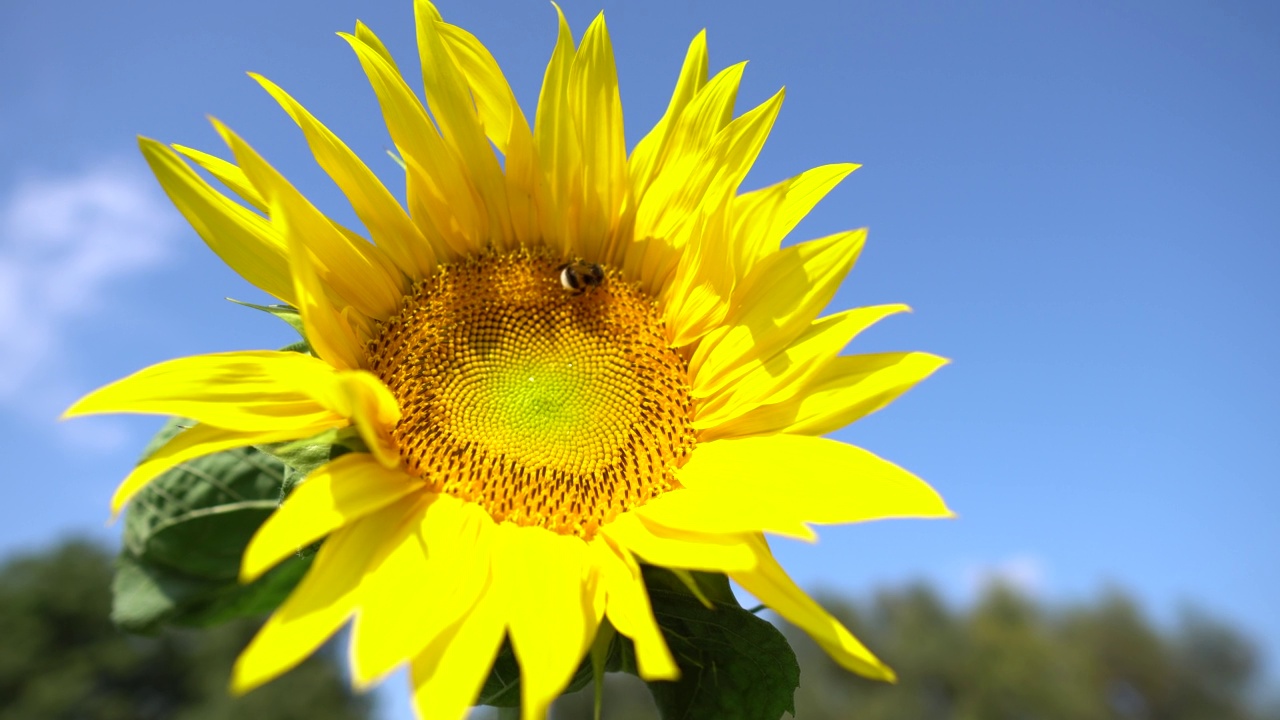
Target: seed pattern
{"x":549,"y":408}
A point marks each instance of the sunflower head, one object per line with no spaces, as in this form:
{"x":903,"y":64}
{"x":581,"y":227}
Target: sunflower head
{"x":564,"y":360}
{"x":553,"y":379}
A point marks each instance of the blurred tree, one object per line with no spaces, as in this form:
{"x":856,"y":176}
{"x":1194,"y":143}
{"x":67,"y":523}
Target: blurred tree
{"x":62,"y":659}
{"x":1007,"y":658}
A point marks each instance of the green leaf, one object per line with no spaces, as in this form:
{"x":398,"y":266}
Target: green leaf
{"x":733,"y":665}
{"x":199,"y":516}
{"x":502,"y":687}
{"x":185,"y":532}
{"x":149,"y":595}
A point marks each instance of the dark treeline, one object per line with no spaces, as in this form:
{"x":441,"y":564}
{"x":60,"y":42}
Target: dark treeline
{"x":62,"y":659}
{"x":1005,"y":658}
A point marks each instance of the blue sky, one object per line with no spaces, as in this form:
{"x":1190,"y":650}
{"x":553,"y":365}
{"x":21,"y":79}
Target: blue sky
{"x":1080,"y":199}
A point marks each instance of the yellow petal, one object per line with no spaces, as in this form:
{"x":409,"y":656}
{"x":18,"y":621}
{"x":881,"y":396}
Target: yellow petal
{"x":233,"y":177}
{"x":324,"y":322}
{"x":629,"y":611}
{"x":762,"y":218}
{"x":252,"y":391}
{"x":596,"y":109}
{"x":196,"y":441}
{"x":449,"y":673}
{"x":227,"y":173}
{"x":706,"y":114}
{"x":390,"y":227}
{"x":772,"y":305}
{"x":389,"y":626}
{"x":688,"y":511}
{"x":775,"y":483}
{"x":778,"y":378}
{"x":358,"y":272}
{"x":693,"y":133}
{"x":843,"y":391}
{"x":244,"y":240}
{"x":552,"y":619}
{"x":374,"y":411}
{"x":366,"y":36}
{"x":693,"y":75}
{"x":770,"y":584}
{"x":321,"y":603}
{"x":716,"y":174}
{"x":333,"y":495}
{"x":643,"y":165}
{"x":489,"y":89}
{"x":449,"y":99}
{"x":557,"y":141}
{"x":506,"y":127}
{"x":676,"y":548}
{"x":459,"y":537}
{"x":696,"y":299}
{"x":737,"y":146}
{"x":442,"y":200}
{"x":440,"y":554}
{"x":662,"y":225}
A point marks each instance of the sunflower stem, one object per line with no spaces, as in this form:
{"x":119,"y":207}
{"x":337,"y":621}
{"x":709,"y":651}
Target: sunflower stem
{"x":599,"y":657}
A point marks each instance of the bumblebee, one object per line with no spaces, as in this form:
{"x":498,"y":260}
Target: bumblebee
{"x":579,"y":275}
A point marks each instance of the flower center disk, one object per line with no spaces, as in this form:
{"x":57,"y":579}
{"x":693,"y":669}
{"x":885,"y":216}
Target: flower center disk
{"x":548,"y":404}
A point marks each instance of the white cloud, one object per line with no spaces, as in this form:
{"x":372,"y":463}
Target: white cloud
{"x":64,"y":243}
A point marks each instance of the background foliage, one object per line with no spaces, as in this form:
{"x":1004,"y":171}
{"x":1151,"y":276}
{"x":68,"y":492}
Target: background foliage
{"x":61,"y":658}
{"x":1006,"y":658}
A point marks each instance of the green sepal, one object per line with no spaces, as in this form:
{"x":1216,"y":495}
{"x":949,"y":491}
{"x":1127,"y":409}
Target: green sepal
{"x":287,"y":313}
{"x":709,"y":588}
{"x":300,"y":457}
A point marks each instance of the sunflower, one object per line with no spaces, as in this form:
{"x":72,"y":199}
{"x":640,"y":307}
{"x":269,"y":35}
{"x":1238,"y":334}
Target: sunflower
{"x":563,"y":361}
